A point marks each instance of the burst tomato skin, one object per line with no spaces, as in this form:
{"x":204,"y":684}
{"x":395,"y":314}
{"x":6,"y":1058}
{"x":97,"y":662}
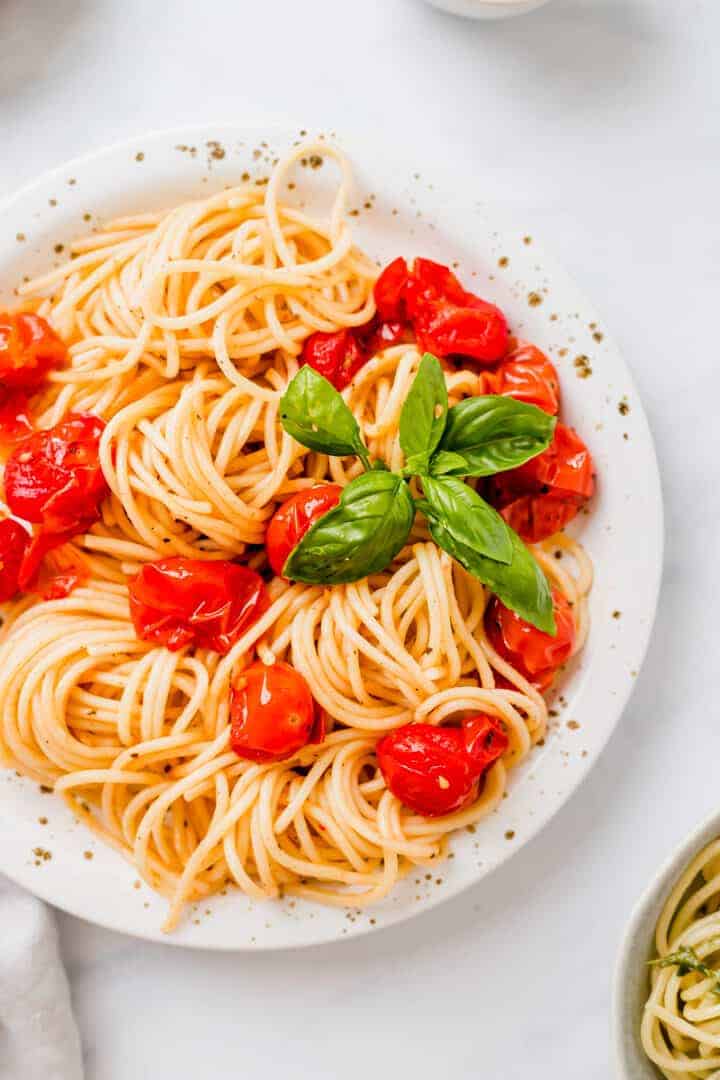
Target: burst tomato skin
{"x":292,"y":520}
{"x":53,"y":478}
{"x":447,"y":319}
{"x":14,"y":541}
{"x":525,"y":374}
{"x":15,"y":422}
{"x":477,"y":330}
{"x":486,"y":738}
{"x":437,"y":770}
{"x":543,"y":495}
{"x":177,"y":602}
{"x":272,"y":713}
{"x":29,"y":349}
{"x":390,"y":290}
{"x":535,"y":654}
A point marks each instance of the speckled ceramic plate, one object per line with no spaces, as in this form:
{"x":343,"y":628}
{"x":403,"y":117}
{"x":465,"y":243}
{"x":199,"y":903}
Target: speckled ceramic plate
{"x":400,"y":210}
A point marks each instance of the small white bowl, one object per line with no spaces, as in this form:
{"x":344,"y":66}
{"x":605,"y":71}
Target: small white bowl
{"x":487,"y":9}
{"x":631,"y":986}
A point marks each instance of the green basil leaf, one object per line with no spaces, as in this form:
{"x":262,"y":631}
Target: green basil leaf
{"x":445,"y":462}
{"x":314,"y":413}
{"x":424,"y":415}
{"x":467,"y":517}
{"x":522,"y":586}
{"x":359,"y":536}
{"x":493,"y":433}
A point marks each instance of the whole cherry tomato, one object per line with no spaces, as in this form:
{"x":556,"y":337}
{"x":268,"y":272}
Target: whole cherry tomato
{"x":272,"y":713}
{"x":15,"y":422}
{"x":29,"y":348}
{"x":53,"y":478}
{"x":292,"y":520}
{"x":336,"y":356}
{"x":545,"y":493}
{"x":536,"y":655}
{"x":14,"y":542}
{"x":527,"y":375}
{"x":446,"y":318}
{"x":177,"y":602}
{"x":437,"y":770}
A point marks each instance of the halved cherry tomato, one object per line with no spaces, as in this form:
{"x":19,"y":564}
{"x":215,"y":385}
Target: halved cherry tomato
{"x":272,"y":713}
{"x":29,"y":348}
{"x":14,"y":542}
{"x":446,"y":318}
{"x":527,"y":375}
{"x":15,"y":422}
{"x":177,"y":602}
{"x":536,"y":655}
{"x":292,"y":520}
{"x":543,"y":495}
{"x":53,"y":478}
{"x":437,"y":770}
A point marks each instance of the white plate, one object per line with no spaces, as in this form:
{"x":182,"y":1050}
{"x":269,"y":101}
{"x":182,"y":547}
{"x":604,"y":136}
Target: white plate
{"x":408,"y":215}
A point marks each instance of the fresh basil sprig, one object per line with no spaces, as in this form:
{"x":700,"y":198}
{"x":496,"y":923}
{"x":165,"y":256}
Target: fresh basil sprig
{"x":359,"y":536}
{"x":371,"y":524}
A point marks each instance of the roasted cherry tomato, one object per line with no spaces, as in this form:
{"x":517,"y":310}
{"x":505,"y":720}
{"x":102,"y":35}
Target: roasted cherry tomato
{"x":14,"y":541}
{"x":527,"y":375}
{"x":29,"y":349}
{"x":380,"y":334}
{"x":272,"y":713}
{"x":177,"y":602}
{"x":446,"y":318}
{"x":477,"y":330}
{"x":437,"y":770}
{"x":486,"y":739}
{"x":390,"y":291}
{"x":337,"y":356}
{"x":543,"y":495}
{"x":536,"y":655}
{"x":292,"y":520}
{"x":62,"y":571}
{"x":54,"y":479}
{"x":15,"y":422}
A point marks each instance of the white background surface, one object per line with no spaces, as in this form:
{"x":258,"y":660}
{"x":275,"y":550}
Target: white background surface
{"x":597,"y":123}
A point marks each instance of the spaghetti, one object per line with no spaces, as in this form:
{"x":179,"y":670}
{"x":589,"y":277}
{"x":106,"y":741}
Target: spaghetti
{"x":681,"y":1022}
{"x":184,"y":329}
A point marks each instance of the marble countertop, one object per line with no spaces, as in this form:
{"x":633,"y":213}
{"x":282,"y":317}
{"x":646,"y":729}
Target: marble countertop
{"x":596,"y":122}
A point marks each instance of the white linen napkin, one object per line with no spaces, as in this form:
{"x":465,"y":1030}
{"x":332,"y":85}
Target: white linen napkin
{"x":38,"y":1035}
